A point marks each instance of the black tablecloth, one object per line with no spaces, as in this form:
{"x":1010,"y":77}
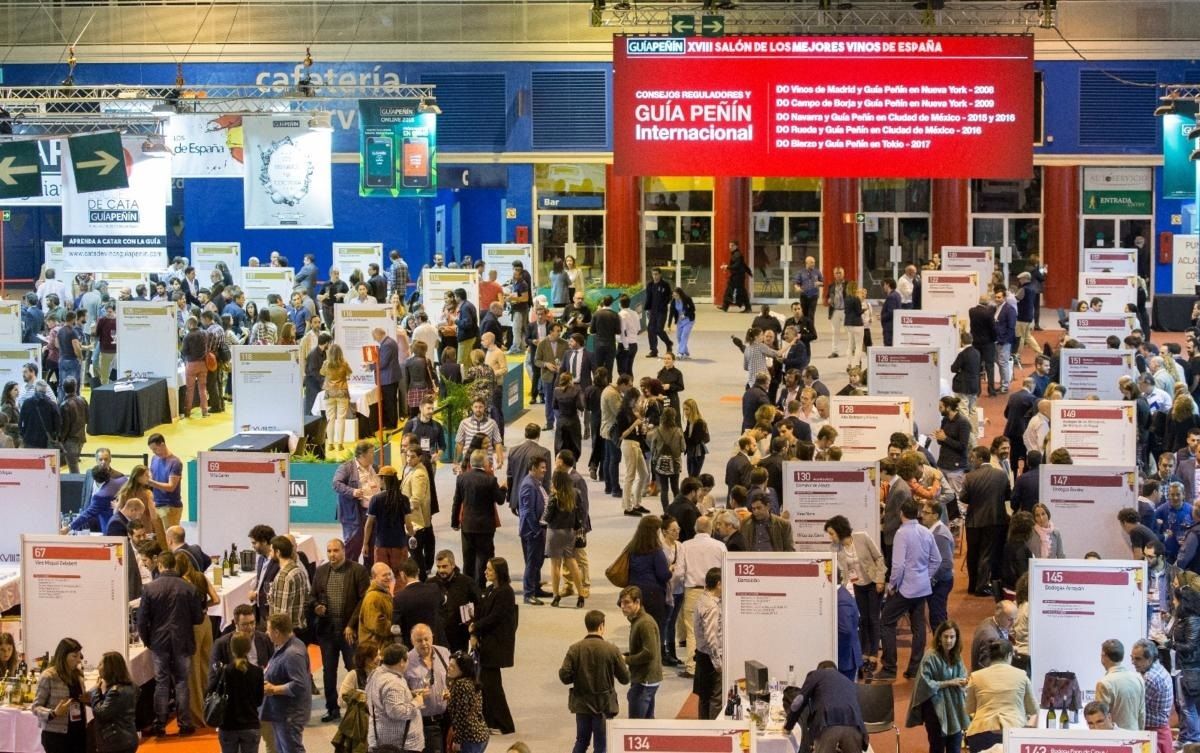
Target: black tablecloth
{"x":254,"y":443}
{"x":1173,"y":313}
{"x":314,"y":430}
{"x":129,"y":413}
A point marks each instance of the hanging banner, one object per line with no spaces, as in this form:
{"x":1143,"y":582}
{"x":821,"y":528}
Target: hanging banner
{"x":353,"y":325}
{"x":266,"y":389}
{"x":436,"y":283}
{"x":1179,"y":172}
{"x":13,"y":357}
{"x":288,"y":181}
{"x":1093,"y":330}
{"x":259,"y":282}
{"x":226,"y":481}
{"x":761,"y":591}
{"x":913,"y":373}
{"x":10,"y":322}
{"x":1081,"y":740}
{"x":865,"y":424}
{"x":1074,"y":606}
{"x":674,"y":735}
{"x":949,"y":292}
{"x":1094,"y":373}
{"x":29,"y":497}
{"x":1115,"y":290}
{"x":75,"y":586}
{"x":349,"y":257}
{"x":147,"y":340}
{"x":1096,"y":432}
{"x":980,"y":259}
{"x":50,"y":173}
{"x":1118,"y":190}
{"x":397,"y":148}
{"x":1185,"y":264}
{"x":1084,"y":502}
{"x":121,"y":229}
{"x":205,"y":145}
{"x":1117,"y":261}
{"x":815,"y":492}
{"x":911,"y":329}
{"x":206,"y":255}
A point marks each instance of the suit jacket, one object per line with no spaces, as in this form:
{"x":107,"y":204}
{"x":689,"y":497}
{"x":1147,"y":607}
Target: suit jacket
{"x":983,"y":327}
{"x":606,"y":324}
{"x":519,"y":459}
{"x":468,"y":321}
{"x":475,"y":496}
{"x":353,"y":593}
{"x":496,"y":626}
{"x":389,"y":361}
{"x":779,"y":533}
{"x":1016,"y":414}
{"x":418,"y":603}
{"x":774,"y":465}
{"x":489,"y":323}
{"x":585,"y":366}
{"x":752,"y":400}
{"x":984,"y":491}
{"x":737,"y":471}
{"x":658,"y":296}
{"x":966,"y":372}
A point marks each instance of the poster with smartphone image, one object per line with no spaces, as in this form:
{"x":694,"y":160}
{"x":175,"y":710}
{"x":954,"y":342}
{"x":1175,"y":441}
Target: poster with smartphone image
{"x":397,"y":149}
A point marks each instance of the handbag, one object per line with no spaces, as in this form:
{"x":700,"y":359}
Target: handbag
{"x":665,"y":465}
{"x":215,"y":702}
{"x":618,"y":572}
{"x":1061,"y":689}
{"x":210,"y":361}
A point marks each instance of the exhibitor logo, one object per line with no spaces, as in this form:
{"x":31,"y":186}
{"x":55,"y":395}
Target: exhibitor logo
{"x":655,"y":46}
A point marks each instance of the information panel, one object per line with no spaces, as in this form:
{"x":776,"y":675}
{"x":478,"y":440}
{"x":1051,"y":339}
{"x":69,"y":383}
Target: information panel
{"x":978,"y":259}
{"x":266,"y":389}
{"x":1074,"y":606}
{"x":225,"y":481}
{"x":353,"y":324}
{"x":913,"y":373}
{"x":1115,"y":290}
{"x":259,"y":282}
{"x":1118,"y":261}
{"x":844,"y":106}
{"x":949,"y":292}
{"x":864,"y":424}
{"x":348,"y":257}
{"x":1093,"y":330}
{"x":678,"y":735}
{"x":815,"y":492}
{"x":1097,"y":432}
{"x":1091,"y":372}
{"x":1083,"y":740}
{"x":206,"y":255}
{"x":436,"y":283}
{"x":920,"y":330}
{"x":500,"y":256}
{"x":10,"y":322}
{"x":29,"y":497}
{"x":148,"y":340}
{"x":1084,"y":502}
{"x":763,"y":590}
{"x":13,"y":357}
{"x":75,"y":586}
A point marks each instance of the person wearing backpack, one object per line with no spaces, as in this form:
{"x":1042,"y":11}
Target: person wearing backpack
{"x":241,"y":684}
{"x":387,"y":531}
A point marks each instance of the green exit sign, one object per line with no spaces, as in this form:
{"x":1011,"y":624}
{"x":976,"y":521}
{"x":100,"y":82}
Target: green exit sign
{"x":7,"y":215}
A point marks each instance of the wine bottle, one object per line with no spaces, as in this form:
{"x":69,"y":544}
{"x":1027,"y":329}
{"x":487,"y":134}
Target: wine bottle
{"x":791,"y":676}
{"x":218,"y":572}
{"x":234,"y":562}
{"x":227,"y":564}
{"x":1051,"y":718}
{"x":729,"y":702}
{"x":1063,"y":721}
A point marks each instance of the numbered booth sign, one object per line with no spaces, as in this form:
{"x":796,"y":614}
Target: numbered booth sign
{"x":679,"y":736}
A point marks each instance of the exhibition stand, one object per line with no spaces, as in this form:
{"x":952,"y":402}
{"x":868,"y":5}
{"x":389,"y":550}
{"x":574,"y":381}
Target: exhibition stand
{"x":909,"y":372}
{"x":129,"y":409}
{"x":266,"y":388}
{"x":1115,"y":290}
{"x":949,"y":292}
{"x":866,"y":423}
{"x":1096,"y":432}
{"x":815,"y":492}
{"x":1084,"y":740}
{"x":1093,"y":372}
{"x":978,"y":259}
{"x":680,"y":735}
{"x":1084,"y":501}
{"x":226,"y":482}
{"x":1093,"y":330}
{"x":14,"y":355}
{"x":916,"y":329}
{"x":29,"y":498}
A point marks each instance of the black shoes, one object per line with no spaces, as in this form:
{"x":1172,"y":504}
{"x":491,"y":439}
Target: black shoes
{"x":331,"y":716}
{"x":534,"y":601}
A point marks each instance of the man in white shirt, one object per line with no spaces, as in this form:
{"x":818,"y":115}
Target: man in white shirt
{"x":631,"y":324}
{"x":51,"y":285}
{"x":426,"y":333}
{"x":708,"y":637}
{"x":905,"y":285}
{"x":699,"y":554}
{"x":1038,"y":430}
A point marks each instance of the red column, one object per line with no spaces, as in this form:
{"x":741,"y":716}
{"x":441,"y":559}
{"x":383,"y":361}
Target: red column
{"x":731,"y":223}
{"x":950,"y":199}
{"x":622,"y":244}
{"x":1060,"y":233}
{"x":839,"y":238}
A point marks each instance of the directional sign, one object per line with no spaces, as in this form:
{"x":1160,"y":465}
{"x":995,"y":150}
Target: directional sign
{"x":683,"y":26}
{"x":20,"y":170}
{"x":712,"y":26}
{"x":98,"y":162}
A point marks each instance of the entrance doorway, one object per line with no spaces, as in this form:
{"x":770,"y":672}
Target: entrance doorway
{"x":681,"y":246}
{"x":1122,"y":232}
{"x":579,"y":234}
{"x":880,"y":232}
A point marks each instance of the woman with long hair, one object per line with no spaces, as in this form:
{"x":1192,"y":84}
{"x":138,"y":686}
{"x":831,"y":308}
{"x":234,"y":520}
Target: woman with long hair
{"x":1017,"y":554}
{"x":336,"y":371}
{"x":683,"y":313}
{"x":198,"y":666}
{"x":494,"y":634}
{"x":114,"y":706}
{"x":8,"y":406}
{"x":563,"y":519}
{"x":137,"y":486}
{"x":649,"y":569}
{"x":629,"y":431}
{"x":58,"y":703}
{"x":695,"y":437}
{"x":450,"y":370}
{"x":674,"y":626}
{"x":568,"y":404}
{"x":465,"y":705}
{"x":559,"y":296}
{"x":418,"y":378}
{"x":387,"y":529}
{"x":860,"y":564}
{"x":854,"y":321}
{"x":593,"y":400}
{"x":240,"y":731}
{"x":574,"y":277}
{"x":1181,"y":420}
{"x":938,"y":699}
{"x":287,"y":334}
{"x":1019,"y":633}
{"x":1047,"y":539}
{"x":666,"y":454}
{"x":9,"y":658}
{"x":352,"y":730}
{"x":264,"y":331}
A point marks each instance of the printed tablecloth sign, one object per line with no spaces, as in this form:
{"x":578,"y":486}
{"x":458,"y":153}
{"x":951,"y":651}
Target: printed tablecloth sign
{"x":206,"y":255}
{"x":259,"y":282}
{"x":864,"y":424}
{"x":351,"y":257}
{"x":1096,"y":432}
{"x":1115,"y":290}
{"x":1117,"y":261}
{"x":206,"y":145}
{"x":225,"y":481}
{"x":917,"y":329}
{"x":949,"y":292}
{"x":914,"y":373}
{"x":1095,"y":373}
{"x":266,"y":387}
{"x":288,"y":172}
{"x":353,"y":325}
{"x":679,"y":736}
{"x":29,"y":498}
{"x":815,"y":492}
{"x":978,"y":259}
{"x":1093,"y":330}
{"x":1024,"y":740}
{"x":1084,"y":501}
{"x":1074,"y":606}
{"x":148,"y":340}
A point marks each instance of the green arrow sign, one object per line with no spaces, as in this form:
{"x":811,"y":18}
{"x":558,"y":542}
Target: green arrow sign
{"x":98,"y":162}
{"x":712,"y":26}
{"x":683,"y":26}
{"x":20,"y":170}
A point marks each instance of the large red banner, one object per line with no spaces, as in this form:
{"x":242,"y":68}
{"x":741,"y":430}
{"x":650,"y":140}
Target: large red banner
{"x":917,"y":107}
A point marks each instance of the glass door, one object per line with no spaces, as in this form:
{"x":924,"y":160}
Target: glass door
{"x":1123,"y":232}
{"x":781,"y":244}
{"x":554,"y":235}
{"x":880,"y":232}
{"x":661,"y":234}
{"x":587,"y":235}
{"x":695,"y":269}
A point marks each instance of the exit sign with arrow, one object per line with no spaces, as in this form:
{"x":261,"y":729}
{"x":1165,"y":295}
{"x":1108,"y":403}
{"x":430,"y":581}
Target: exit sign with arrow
{"x":712,"y":26}
{"x":683,"y":26}
{"x":98,"y":162}
{"x":20,"y":170}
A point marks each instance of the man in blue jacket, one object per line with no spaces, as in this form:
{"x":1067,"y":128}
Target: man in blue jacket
{"x":531,"y":504}
{"x":468,"y":327}
{"x":169,"y":609}
{"x":287,"y":685}
{"x":389,"y":375}
{"x":658,"y":300}
{"x":891,"y":302}
{"x":1006,"y":334}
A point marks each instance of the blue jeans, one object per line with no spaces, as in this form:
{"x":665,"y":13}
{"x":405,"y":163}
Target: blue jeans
{"x":465,"y":747}
{"x":534,"y":548}
{"x":171,"y":670}
{"x":1189,"y":717}
{"x":641,"y":700}
{"x":937,"y":602}
{"x":289,"y":735}
{"x":69,"y":368}
{"x":668,"y":636}
{"x":238,"y":740}
{"x":333,"y":646}
{"x":612,"y":467}
{"x":548,"y":397}
{"x":682,"y":332}
{"x":590,"y":727}
{"x":1004,"y":361}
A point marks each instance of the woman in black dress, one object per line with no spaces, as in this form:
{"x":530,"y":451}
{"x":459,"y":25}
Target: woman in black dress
{"x":494,"y":636}
{"x":568,"y":403}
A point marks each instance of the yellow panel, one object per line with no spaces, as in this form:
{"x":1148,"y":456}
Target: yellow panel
{"x":656,"y":185}
{"x":785,"y":184}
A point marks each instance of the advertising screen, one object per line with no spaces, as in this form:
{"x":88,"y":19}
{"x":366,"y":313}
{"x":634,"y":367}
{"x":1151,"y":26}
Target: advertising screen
{"x":893,"y":106}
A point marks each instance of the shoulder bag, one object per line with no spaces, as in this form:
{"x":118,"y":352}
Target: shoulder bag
{"x":618,"y":572}
{"x":216,"y":701}
{"x":388,"y":747}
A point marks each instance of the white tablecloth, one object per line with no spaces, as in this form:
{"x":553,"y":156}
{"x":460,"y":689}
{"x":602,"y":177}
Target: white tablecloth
{"x":362,"y":397}
{"x":307,"y":544}
{"x":234,"y":590}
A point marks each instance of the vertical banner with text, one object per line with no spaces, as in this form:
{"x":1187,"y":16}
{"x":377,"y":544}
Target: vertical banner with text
{"x":1093,"y":330}
{"x":398,"y":148}
{"x":1084,"y":501}
{"x":978,"y":259}
{"x":1093,"y":372}
{"x":266,"y":389}
{"x":1095,"y":432}
{"x":226,"y":481}
{"x":289,"y":178}
{"x":206,"y":145}
{"x":29,"y":498}
{"x":865,"y":424}
{"x":914,"y":373}
{"x":916,"y":329}
{"x":148,"y":340}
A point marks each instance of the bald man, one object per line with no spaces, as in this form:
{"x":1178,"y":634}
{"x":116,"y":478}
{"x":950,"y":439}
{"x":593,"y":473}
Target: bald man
{"x":176,"y":543}
{"x":427,"y":668}
{"x":995,"y":628}
{"x":374,"y":619}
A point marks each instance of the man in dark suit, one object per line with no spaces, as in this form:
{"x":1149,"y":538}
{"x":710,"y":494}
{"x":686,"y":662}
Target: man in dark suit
{"x":606,"y":324}
{"x":416,"y":603}
{"x":891,"y":303}
{"x":965,"y":383}
{"x":983,"y":339}
{"x":468,"y":327}
{"x":458,"y":590}
{"x":376,"y":283}
{"x":531,"y":506}
{"x":1021,"y":404}
{"x":737,"y":470}
{"x":984,"y":492}
{"x":519,"y":460}
{"x":490,"y":321}
{"x":773,"y":464}
{"x":658,"y":300}
{"x":389,"y":375}
{"x":577,"y":361}
{"x":754,"y":398}
{"x":476,"y":495}
{"x":330,"y":611}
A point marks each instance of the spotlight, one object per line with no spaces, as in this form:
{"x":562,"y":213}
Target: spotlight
{"x":429,"y":107}
{"x":321,"y":120}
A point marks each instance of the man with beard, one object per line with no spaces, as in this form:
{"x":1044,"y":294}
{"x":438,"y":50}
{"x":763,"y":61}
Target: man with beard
{"x":459,"y":590}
